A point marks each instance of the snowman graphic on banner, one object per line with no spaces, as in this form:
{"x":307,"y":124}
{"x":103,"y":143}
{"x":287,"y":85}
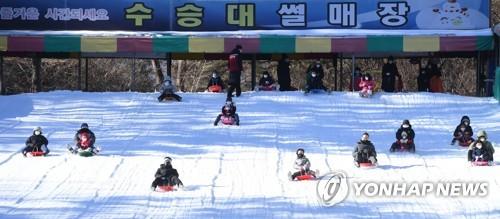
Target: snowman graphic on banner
{"x":451,"y":15}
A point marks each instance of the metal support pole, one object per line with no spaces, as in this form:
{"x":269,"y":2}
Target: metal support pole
{"x":2,"y":82}
{"x":353,"y":71}
{"x":254,"y":70}
{"x":86,"y":74}
{"x":36,"y":81}
{"x":79,"y":73}
{"x":478,"y":74}
{"x":341,"y":87}
{"x":132,"y":76}
{"x":335,"y":69}
{"x":169,"y":64}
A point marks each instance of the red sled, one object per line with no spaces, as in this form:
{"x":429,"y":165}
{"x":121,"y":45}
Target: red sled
{"x":215,"y":89}
{"x":227,"y":120}
{"x":165,"y":189}
{"x":267,"y":88}
{"x":36,"y":153}
{"x":366,"y":165}
{"x":305,"y":177}
{"x":480,"y":163}
{"x":464,"y":144}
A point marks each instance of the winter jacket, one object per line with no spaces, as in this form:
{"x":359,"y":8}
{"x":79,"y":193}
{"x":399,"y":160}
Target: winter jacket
{"x":314,"y":82}
{"x":481,"y":154}
{"x":366,"y":85}
{"x":36,"y":141}
{"x":235,"y":76}
{"x":78,"y":138}
{"x":389,"y":73}
{"x":215,"y":81}
{"x":266,"y":81}
{"x":468,"y":128}
{"x":487,"y":146}
{"x":433,"y":70}
{"x":409,"y":131}
{"x":486,"y":151}
{"x":167,"y":88}
{"x":365,"y":147}
{"x":166,"y":172}
{"x":284,"y":74}
{"x":423,"y":80}
{"x":302,"y":163}
{"x":318,"y":68}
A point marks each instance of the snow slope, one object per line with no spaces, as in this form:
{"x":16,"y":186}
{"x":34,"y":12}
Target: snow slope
{"x":235,"y":172}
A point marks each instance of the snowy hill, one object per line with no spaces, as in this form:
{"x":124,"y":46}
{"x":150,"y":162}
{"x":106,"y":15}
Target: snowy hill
{"x":236,"y":172}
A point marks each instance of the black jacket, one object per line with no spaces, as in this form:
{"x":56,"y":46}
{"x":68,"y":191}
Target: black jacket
{"x":467,"y":127}
{"x":423,"y":80}
{"x":36,"y":141}
{"x":314,"y":83}
{"x":389,"y":73}
{"x":365,"y":147}
{"x":284,"y":73}
{"x":433,"y":70}
{"x":166,"y":172}
{"x":266,"y":81}
{"x":215,"y":81}
{"x":319,"y":70}
{"x":409,"y":131}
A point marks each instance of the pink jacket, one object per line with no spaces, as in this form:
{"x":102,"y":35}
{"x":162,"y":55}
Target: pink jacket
{"x":366,"y":85}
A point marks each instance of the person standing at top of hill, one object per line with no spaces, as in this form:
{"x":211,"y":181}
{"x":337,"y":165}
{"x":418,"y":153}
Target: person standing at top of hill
{"x":434,"y":75}
{"x":284,"y":74}
{"x":389,"y":74}
{"x":235,"y":66}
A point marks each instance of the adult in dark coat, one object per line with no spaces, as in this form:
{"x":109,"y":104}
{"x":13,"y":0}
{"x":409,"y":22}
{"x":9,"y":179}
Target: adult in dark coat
{"x":166,"y":175}
{"x":364,"y":151}
{"x":459,"y":133}
{"x":423,"y":80}
{"x":235,"y":65}
{"x":405,"y":136}
{"x":389,"y":74}
{"x":284,"y":74}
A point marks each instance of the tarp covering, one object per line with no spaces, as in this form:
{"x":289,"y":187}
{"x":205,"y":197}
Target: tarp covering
{"x":224,"y":43}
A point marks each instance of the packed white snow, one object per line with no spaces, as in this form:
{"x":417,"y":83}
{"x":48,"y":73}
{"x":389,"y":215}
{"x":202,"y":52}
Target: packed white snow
{"x":236,"y":172}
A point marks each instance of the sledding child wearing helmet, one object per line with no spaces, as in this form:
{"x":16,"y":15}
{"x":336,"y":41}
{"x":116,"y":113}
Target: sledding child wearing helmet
{"x":228,"y":111}
{"x":302,"y":165}
{"x":36,"y":142}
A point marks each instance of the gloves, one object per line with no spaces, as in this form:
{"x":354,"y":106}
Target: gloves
{"x":215,"y":124}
